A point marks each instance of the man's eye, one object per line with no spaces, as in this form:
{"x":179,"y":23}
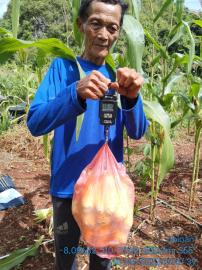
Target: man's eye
{"x":113,"y":29}
{"x":95,"y":25}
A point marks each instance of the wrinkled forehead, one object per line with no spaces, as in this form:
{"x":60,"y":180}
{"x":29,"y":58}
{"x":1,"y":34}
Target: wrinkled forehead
{"x":103,"y":11}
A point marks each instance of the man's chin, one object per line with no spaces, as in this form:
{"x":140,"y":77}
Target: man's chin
{"x":102,"y":54}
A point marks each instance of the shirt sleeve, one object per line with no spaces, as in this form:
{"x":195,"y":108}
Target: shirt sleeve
{"x":134,"y":117}
{"x":55,"y":101}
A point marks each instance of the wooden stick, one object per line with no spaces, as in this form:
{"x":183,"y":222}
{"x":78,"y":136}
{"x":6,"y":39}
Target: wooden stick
{"x":139,"y":226}
{"x":180,"y":212}
{"x":145,"y":207}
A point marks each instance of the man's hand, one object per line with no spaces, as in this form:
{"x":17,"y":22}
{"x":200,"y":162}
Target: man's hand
{"x":93,"y":86}
{"x":128,"y":82}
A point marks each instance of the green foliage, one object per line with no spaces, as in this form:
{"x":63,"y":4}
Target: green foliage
{"x":77,"y":34}
{"x":143,"y":168}
{"x":50,"y":46}
{"x":42,"y":19}
{"x":135,"y":42}
{"x":12,"y":83}
{"x":155,"y":112}
{"x":163,"y":8}
{"x":18,"y":256}
{"x":135,"y":6}
{"x":15,"y":16}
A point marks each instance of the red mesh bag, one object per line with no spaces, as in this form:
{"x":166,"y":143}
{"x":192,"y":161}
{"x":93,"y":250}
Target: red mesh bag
{"x":103,"y":203}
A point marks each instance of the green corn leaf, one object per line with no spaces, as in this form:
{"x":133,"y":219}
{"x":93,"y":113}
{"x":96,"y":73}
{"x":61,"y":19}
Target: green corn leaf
{"x":180,"y":58}
{"x":167,"y":158}
{"x":156,"y":60}
{"x":166,"y":100}
{"x":79,"y":119}
{"x":51,"y":46}
{"x":180,"y":119}
{"x":12,"y":45}
{"x":41,"y":60}
{"x":155,"y":43}
{"x":173,"y":80}
{"x":5,"y":32}
{"x":136,"y":4}
{"x":198,"y":59}
{"x":77,"y":34}
{"x":187,"y":101}
{"x":192,"y":47}
{"x":195,"y":90}
{"x":155,"y":112}
{"x":120,"y":59}
{"x":163,"y":8}
{"x":135,"y":42}
{"x":179,"y":9}
{"x":111,"y":63}
{"x":179,"y":31}
{"x":79,"y":122}
{"x":198,"y":22}
{"x":147,"y":150}
{"x":55,"y":47}
{"x":18,"y":256}
{"x":15,"y":16}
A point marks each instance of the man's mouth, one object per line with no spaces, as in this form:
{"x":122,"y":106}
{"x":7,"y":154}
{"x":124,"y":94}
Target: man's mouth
{"x":102,"y":46}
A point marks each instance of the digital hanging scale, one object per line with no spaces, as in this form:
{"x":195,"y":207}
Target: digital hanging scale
{"x":107,"y":113}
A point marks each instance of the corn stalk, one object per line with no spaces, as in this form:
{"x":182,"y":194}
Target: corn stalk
{"x":15,"y":17}
{"x":195,"y":172}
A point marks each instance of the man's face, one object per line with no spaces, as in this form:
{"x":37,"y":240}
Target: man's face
{"x":101,"y":30}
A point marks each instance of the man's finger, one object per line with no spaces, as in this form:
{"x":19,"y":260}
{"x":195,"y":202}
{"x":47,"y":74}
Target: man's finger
{"x":102,"y":86}
{"x":122,"y":75}
{"x":101,"y":77}
{"x":91,"y":95}
{"x":95,"y":90}
{"x":114,"y":85}
{"x":139,"y":81}
{"x":122,"y":78}
{"x":129,"y":81}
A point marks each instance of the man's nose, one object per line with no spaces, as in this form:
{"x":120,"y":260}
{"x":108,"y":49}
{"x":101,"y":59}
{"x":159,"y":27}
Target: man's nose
{"x":103,"y":33}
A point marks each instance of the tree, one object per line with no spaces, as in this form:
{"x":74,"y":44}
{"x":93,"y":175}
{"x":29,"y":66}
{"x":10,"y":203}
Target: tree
{"x":41,"y":19}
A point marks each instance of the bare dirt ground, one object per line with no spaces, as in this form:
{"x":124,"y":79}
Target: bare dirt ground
{"x":172,"y":242}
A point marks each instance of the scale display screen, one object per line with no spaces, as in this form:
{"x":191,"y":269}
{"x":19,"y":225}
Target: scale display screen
{"x":107,"y":107}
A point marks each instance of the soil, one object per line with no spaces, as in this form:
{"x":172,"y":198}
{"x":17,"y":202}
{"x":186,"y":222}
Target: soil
{"x":171,"y":242}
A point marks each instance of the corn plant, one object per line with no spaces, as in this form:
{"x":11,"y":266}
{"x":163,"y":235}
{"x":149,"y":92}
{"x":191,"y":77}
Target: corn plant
{"x":193,"y":109}
{"x":18,"y":256}
{"x":44,"y":214}
{"x":166,"y":70}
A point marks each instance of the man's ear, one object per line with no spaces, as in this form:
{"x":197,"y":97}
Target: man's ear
{"x":80,"y":25}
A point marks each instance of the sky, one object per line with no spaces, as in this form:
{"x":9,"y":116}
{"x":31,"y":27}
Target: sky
{"x":3,"y":7}
{"x":191,"y":4}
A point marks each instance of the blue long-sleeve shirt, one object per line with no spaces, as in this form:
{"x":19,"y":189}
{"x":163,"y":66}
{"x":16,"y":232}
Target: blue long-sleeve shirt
{"x":56,"y":107}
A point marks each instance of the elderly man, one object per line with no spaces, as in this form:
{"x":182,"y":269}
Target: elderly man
{"x":62,"y":96}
